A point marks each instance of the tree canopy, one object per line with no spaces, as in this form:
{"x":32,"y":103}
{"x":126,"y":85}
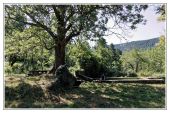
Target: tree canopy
{"x":60,"y":24}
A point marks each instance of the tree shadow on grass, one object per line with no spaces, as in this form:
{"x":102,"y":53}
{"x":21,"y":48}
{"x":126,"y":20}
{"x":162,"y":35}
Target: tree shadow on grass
{"x":128,"y":96}
{"x":94,"y":96}
{"x":23,"y":96}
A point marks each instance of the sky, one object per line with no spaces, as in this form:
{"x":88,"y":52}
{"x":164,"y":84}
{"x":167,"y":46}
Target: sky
{"x":152,"y":29}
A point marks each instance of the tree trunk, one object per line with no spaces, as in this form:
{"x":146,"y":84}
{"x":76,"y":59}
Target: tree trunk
{"x":59,"y":56}
{"x":137,"y":65}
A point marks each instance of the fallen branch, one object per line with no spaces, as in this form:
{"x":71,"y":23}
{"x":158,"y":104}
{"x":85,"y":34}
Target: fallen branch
{"x":144,"y":81}
{"x":83,"y":77}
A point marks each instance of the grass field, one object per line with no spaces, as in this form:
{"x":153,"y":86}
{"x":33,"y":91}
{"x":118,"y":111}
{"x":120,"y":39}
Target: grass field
{"x":31,"y":92}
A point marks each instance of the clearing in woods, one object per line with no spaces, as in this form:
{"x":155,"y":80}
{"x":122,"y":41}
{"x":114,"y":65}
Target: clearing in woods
{"x":30,"y":92}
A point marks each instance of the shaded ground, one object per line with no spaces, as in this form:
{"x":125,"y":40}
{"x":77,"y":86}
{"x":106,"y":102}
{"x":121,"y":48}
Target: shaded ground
{"x":31,"y":92}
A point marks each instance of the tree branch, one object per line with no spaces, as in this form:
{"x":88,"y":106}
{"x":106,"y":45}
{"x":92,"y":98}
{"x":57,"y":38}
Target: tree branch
{"x":44,"y":43}
{"x":28,"y":23}
{"x":57,"y":13}
{"x":40,"y":25}
{"x":68,"y":38}
{"x":46,"y":47}
{"x":68,"y":27}
{"x":71,"y":15}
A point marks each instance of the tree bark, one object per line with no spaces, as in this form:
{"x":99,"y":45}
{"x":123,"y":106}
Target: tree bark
{"x":137,"y":65}
{"x":59,"y":56}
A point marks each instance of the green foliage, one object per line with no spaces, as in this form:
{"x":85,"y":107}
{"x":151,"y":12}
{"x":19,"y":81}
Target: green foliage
{"x":17,"y":68}
{"x":146,"y":62}
{"x":76,"y":52}
{"x":80,"y":57}
{"x":91,"y":19}
{"x":157,"y":56}
{"x":57,"y":25}
{"x":94,"y":61}
{"x":8,"y":68}
{"x":23,"y":47}
{"x":162,"y":11}
{"x":108,"y":57}
{"x":91,"y":67}
{"x":144,"y":73}
{"x":131,"y":60}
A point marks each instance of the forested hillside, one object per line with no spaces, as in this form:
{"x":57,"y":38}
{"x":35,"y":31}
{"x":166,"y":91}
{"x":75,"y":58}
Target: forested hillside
{"x":142,"y":44}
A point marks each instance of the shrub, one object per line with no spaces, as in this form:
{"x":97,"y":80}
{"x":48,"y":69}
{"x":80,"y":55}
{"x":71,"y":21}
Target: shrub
{"x":17,"y":68}
{"x":145,"y":73}
{"x":8,"y":68}
{"x":91,"y":67}
{"x":131,"y":74}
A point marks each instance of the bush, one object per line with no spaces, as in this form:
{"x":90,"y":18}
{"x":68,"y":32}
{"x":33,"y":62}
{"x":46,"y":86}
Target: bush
{"x":132,"y":75}
{"x":145,"y":73}
{"x":121,"y":74}
{"x":8,"y":68}
{"x":91,"y":67}
{"x":17,"y":68}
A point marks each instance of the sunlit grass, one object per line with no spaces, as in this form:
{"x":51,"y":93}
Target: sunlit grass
{"x":30,"y":92}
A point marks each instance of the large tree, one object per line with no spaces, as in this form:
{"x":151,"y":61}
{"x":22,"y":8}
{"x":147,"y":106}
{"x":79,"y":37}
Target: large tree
{"x":65,"y":22}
